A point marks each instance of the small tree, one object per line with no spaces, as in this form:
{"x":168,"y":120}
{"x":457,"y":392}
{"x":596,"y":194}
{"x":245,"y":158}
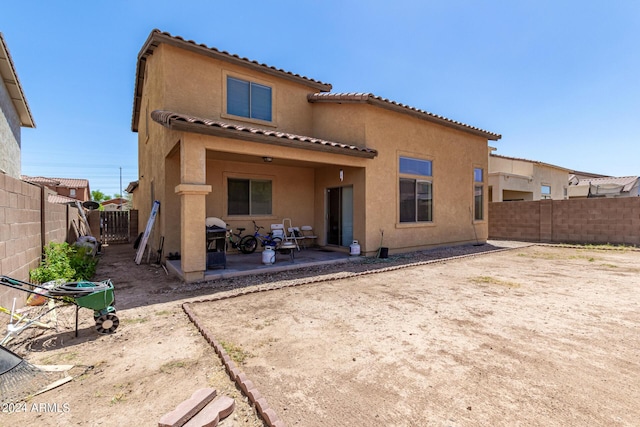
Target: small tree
{"x":98,"y":196}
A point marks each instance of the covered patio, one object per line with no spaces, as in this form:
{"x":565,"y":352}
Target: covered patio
{"x":239,"y":264}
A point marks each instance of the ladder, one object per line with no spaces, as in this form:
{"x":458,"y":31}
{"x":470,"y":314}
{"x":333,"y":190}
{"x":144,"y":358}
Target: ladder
{"x":147,"y":231}
{"x":289,"y":233}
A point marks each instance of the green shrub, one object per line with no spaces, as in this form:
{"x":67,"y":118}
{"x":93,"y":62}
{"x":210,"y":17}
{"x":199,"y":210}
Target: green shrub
{"x":65,"y":262}
{"x":82,"y":262}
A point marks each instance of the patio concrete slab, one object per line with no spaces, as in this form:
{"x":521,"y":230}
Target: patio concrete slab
{"x":246,"y":264}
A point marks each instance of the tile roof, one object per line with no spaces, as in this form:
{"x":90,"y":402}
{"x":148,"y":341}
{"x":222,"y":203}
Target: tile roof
{"x":156,"y":37}
{"x":60,"y":200}
{"x":10,"y":78}
{"x":132,"y":186}
{"x":57,"y":182}
{"x":625,"y":182}
{"x":372,"y":99}
{"x":188,"y":123}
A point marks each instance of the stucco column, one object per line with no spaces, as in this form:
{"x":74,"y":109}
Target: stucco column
{"x":192,"y":225}
{"x":192,"y":191}
{"x":498,"y":189}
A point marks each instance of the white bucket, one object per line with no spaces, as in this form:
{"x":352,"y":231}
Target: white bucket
{"x":268,"y":255}
{"x":354,"y":248}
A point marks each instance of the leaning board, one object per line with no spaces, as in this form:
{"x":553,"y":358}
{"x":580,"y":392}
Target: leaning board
{"x":147,"y":231}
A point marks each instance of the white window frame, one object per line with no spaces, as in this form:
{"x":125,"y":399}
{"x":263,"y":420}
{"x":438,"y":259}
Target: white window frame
{"x":544,"y":195}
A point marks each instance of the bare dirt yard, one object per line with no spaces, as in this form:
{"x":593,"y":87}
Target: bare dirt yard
{"x":538,"y":335}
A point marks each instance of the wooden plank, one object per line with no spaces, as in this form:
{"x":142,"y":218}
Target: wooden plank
{"x":147,"y":231}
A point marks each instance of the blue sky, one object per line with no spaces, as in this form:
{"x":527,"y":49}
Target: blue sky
{"x":560,"y":80}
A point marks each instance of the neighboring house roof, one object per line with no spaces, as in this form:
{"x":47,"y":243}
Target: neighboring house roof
{"x":60,"y":200}
{"x":157,"y":37}
{"x":536,"y":162}
{"x":132,"y":186}
{"x":608,"y":186}
{"x":10,"y":79}
{"x":116,"y":201}
{"x":583,"y":175}
{"x":177,"y":121}
{"x":378,"y":101}
{"x":625,"y":183}
{"x":57,"y":182}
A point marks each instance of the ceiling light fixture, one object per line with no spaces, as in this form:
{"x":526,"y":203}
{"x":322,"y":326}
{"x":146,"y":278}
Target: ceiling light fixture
{"x":267,"y":159}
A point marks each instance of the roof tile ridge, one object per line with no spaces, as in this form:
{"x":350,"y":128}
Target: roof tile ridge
{"x":234,"y":55}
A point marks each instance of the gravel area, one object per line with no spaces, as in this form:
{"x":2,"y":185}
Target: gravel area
{"x":355,"y":267}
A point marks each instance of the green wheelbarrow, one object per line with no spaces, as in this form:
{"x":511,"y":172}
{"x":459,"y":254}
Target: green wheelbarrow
{"x":96,"y":296}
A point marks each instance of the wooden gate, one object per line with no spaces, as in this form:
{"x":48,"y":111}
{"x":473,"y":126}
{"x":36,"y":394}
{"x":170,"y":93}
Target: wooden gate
{"x":115,"y":226}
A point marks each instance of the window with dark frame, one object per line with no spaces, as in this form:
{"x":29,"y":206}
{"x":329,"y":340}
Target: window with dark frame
{"x":416,"y":195}
{"x":248,"y":99}
{"x":478,"y":194}
{"x":249,"y":197}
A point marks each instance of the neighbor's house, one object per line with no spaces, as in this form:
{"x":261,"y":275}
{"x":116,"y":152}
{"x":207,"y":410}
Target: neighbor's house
{"x":117,"y":204}
{"x":514,"y":179}
{"x":582,"y":185}
{"x":224,"y":136}
{"x":71,"y":189}
{"x":14,"y":114}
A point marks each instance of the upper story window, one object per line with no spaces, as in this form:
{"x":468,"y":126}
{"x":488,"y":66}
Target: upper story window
{"x":416,"y":194}
{"x":72,"y":192}
{"x":248,"y":99}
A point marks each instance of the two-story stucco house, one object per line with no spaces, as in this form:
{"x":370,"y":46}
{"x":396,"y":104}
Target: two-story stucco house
{"x":14,"y":114}
{"x":69,"y":189}
{"x":224,"y":136}
{"x":515,"y":179}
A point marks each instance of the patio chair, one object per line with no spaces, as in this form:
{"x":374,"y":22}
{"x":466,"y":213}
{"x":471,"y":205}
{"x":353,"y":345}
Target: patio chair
{"x":277,"y":230}
{"x":307,"y":232}
{"x":293,"y":234}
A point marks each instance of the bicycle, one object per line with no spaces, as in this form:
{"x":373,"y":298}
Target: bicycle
{"x":234,"y":239}
{"x":249,"y":244}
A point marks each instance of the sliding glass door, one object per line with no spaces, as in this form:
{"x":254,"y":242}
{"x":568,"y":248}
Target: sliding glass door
{"x":340,"y":216}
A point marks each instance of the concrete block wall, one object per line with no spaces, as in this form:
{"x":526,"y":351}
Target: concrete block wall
{"x":597,"y":220}
{"x":21,"y":231}
{"x":57,"y":221}
{"x":514,"y":221}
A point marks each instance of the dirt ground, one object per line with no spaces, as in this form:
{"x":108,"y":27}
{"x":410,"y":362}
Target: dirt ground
{"x":532,"y":336}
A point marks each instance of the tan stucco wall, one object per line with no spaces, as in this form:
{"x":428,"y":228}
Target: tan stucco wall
{"x":196,"y":85}
{"x":454,"y":154}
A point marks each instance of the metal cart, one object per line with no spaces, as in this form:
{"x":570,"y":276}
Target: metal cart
{"x":96,"y":296}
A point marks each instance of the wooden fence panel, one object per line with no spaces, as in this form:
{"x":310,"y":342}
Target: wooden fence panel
{"x":115,"y":226}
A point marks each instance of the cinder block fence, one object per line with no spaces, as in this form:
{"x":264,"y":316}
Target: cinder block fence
{"x":595,"y":220}
{"x":27,"y":222}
